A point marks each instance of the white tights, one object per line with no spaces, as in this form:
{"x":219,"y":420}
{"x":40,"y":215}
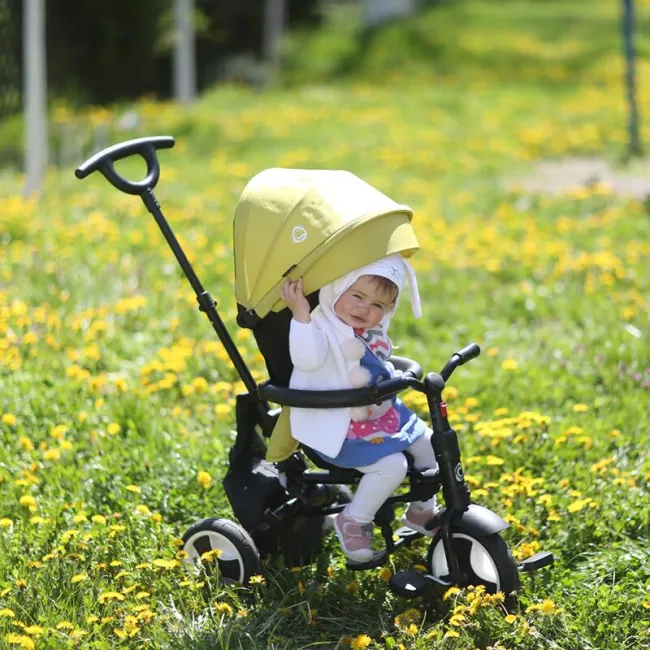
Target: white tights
{"x":382,"y":478}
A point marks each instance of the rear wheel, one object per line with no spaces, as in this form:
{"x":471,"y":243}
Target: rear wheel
{"x":485,"y":560}
{"x":223,"y":545}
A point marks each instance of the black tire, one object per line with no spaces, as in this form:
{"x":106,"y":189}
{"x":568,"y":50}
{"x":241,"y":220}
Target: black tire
{"x":239,"y":558}
{"x":486,"y":560}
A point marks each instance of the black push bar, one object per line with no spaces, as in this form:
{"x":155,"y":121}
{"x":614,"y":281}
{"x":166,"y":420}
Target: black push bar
{"x":347,"y":398}
{"x":105,"y":159}
{"x":332,"y":399}
{"x":410,"y":378}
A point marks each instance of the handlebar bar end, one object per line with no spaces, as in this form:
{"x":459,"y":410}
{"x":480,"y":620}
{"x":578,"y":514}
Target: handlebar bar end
{"x":468,"y":353}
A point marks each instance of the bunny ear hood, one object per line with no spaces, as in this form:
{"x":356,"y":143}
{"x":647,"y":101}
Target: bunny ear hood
{"x":394,"y":267}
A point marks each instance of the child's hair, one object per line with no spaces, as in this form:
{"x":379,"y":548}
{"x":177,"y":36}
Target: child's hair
{"x":386,"y":286}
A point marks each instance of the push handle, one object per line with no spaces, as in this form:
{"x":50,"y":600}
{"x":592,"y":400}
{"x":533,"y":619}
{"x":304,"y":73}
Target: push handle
{"x":105,"y":159}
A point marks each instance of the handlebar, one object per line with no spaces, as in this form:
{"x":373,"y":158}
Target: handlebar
{"x":346,"y":398}
{"x":459,"y":358}
{"x":333,"y":399}
{"x":105,"y":159}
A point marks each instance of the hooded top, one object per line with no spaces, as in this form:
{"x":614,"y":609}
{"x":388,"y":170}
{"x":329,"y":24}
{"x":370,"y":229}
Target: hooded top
{"x":326,"y":357}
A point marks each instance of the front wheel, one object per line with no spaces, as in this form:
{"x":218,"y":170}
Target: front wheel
{"x":223,"y":545}
{"x":485,"y":560}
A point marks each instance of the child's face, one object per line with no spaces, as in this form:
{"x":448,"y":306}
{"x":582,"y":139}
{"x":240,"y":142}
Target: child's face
{"x":364,"y":304}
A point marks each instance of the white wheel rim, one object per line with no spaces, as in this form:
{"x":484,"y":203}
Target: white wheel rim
{"x":480,"y":560}
{"x":229,"y":551}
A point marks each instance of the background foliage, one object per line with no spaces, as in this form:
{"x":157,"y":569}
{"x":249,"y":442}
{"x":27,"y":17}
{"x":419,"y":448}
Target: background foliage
{"x":116,"y":400}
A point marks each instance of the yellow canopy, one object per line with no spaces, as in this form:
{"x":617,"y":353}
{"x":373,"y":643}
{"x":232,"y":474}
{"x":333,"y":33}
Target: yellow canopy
{"x":314,"y":224}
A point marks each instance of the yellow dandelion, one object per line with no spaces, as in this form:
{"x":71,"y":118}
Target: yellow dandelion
{"x":146,"y":616}
{"x":204,"y":479}
{"x":509,"y":364}
{"x":510,"y":619}
{"x":59,"y":431}
{"x":353,"y":588}
{"x":113,"y":428}
{"x":451,"y":634}
{"x":7,"y":613}
{"x":580,"y":408}
{"x":34,"y":630}
{"x":134,"y":488}
{"x":200,"y":384}
{"x":257,"y":580}
{"x":67,"y":535}
{"x":452,"y":591}
{"x":9,"y":419}
{"x":222,"y":411}
{"x":209,"y":556}
{"x":28,"y":501}
{"x":548,"y":607}
{"x":385,"y":574}
{"x":5,"y":522}
{"x":98,"y":519}
{"x":79,"y":577}
{"x":51,"y":454}
{"x":578,"y":505}
{"x":223,"y":608}
{"x":360,"y":642}
{"x":110,"y":596}
{"x":20,"y":640}
{"x":168,"y":564}
{"x":67,"y":625}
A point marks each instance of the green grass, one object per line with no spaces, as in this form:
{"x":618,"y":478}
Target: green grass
{"x":110,"y":378}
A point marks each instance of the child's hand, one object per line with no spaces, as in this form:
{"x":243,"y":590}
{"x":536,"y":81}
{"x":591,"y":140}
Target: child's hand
{"x":291,"y":293}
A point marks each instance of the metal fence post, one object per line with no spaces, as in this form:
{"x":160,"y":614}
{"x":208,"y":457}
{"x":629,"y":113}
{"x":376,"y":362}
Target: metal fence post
{"x":184,"y":52}
{"x":274,"y":17}
{"x":35,"y":89}
{"x":628,"y":35}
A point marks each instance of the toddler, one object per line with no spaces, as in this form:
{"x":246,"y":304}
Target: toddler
{"x":343,"y":343}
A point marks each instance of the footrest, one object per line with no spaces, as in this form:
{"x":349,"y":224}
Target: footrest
{"x":409,"y":584}
{"x":378,"y":559}
{"x":537,"y":561}
{"x":407,"y":533}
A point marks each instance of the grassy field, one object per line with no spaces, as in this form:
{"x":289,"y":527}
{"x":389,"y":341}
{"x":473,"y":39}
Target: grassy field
{"x":116,"y":400}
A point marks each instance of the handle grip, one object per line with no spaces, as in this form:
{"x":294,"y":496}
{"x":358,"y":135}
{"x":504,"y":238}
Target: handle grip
{"x":105,"y":159}
{"x":468,"y":353}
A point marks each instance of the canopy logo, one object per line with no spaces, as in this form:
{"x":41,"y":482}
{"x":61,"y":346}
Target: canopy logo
{"x":298,"y":234}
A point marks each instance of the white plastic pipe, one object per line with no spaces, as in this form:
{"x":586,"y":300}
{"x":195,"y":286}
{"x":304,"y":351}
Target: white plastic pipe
{"x":184,"y":71}
{"x":35,"y":94}
{"x":274,"y":11}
